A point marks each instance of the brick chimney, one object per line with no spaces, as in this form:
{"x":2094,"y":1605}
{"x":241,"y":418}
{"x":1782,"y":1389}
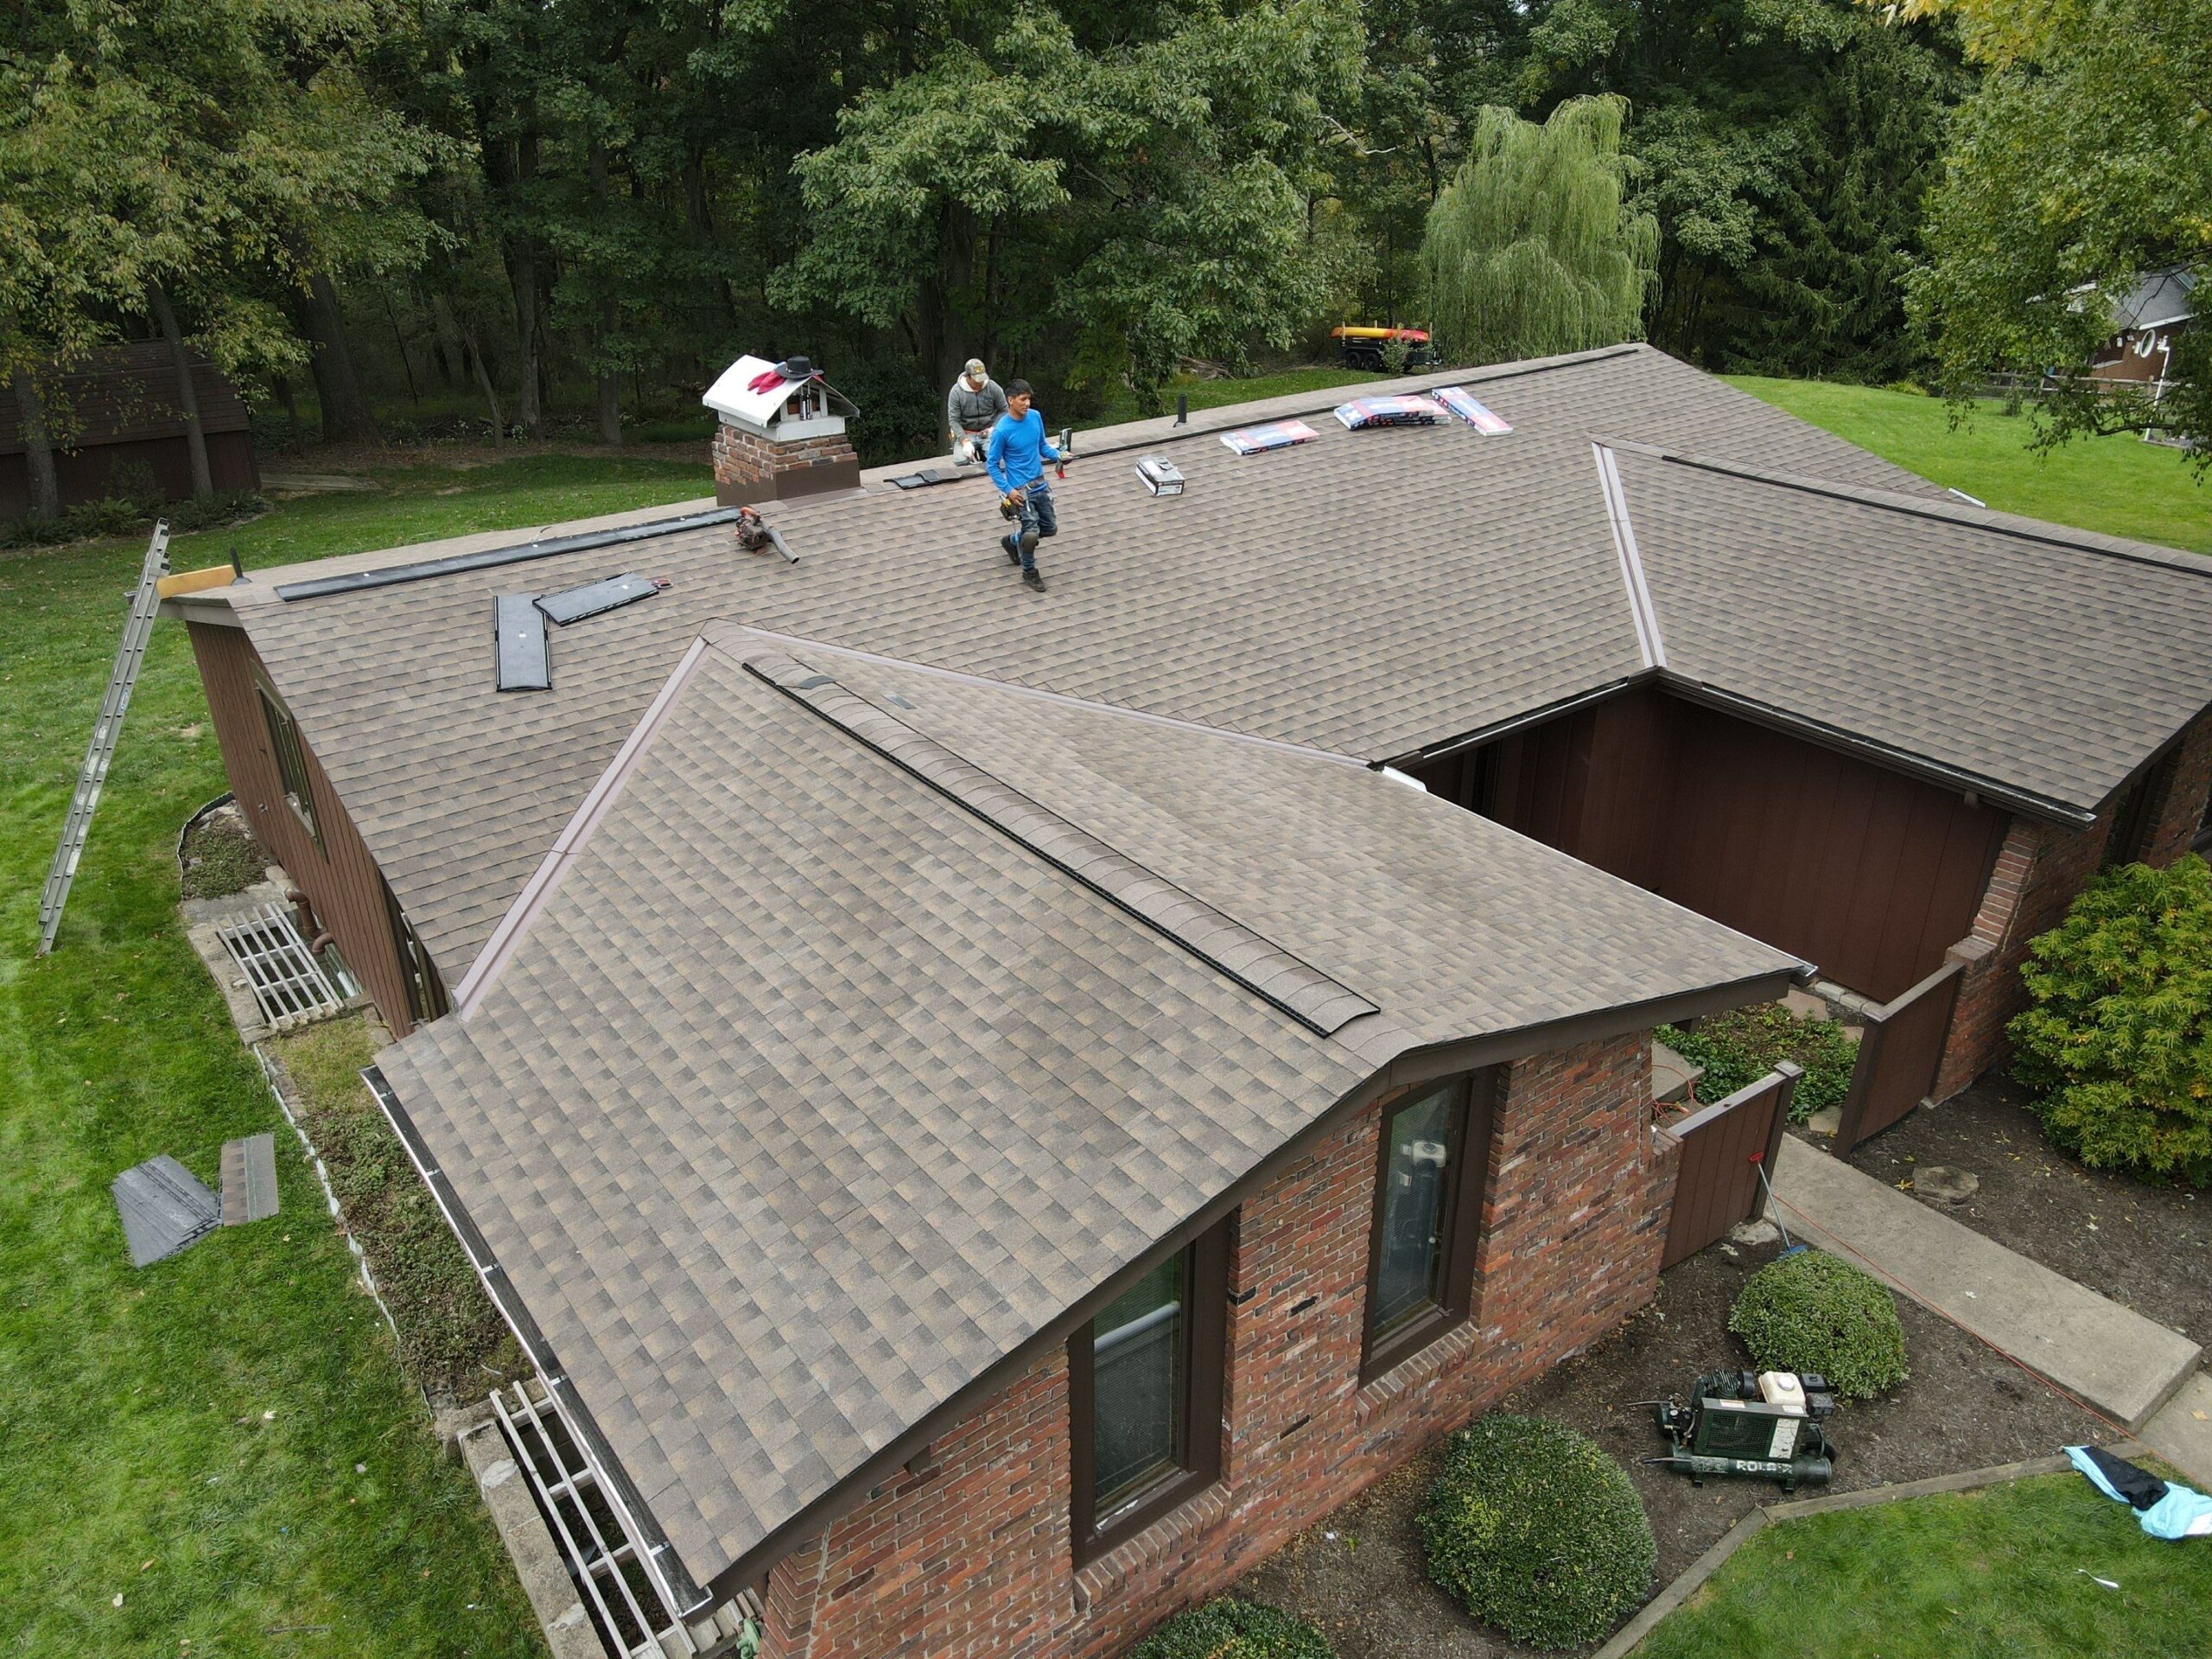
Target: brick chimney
{"x":780,"y":433}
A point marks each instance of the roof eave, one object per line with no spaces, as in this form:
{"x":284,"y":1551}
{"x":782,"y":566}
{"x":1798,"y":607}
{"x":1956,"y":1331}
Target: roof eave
{"x":663,"y":1563}
{"x":1422,"y":1063}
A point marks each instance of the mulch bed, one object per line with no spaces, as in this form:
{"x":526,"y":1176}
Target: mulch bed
{"x":220,"y":856}
{"x":1964,"y":1408}
{"x":2146,"y":1247}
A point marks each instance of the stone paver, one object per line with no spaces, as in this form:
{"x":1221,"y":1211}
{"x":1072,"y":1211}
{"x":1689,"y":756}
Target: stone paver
{"x":2113,"y":1359}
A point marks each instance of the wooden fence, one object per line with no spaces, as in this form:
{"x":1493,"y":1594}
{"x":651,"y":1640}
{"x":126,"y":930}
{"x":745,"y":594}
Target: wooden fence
{"x":1722,"y":1148}
{"x":1898,"y":1052}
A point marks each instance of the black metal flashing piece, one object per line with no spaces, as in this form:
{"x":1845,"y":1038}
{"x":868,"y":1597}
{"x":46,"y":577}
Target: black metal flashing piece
{"x":575,"y":604}
{"x":164,"y":1207}
{"x":393,"y":574}
{"x":518,"y":650}
{"x":926,"y":476}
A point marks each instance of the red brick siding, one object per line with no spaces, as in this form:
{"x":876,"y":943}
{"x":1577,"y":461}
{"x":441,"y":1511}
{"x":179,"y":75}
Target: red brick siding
{"x":1572,"y":1225}
{"x":340,"y":876}
{"x":2040,"y":870}
{"x":748,"y":467}
{"x":2175,"y":820}
{"x":965,"y":1554}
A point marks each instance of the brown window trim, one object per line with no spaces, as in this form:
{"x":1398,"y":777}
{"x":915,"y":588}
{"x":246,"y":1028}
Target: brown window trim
{"x":274,"y":709}
{"x":1204,"y":1368}
{"x":1462,"y":1227}
{"x":426,"y":991}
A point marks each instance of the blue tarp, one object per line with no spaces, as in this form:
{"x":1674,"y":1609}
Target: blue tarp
{"x":2182,"y":1513}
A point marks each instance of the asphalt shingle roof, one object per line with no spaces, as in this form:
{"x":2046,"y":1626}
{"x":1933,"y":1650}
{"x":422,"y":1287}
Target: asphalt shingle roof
{"x":1368,"y":593}
{"x":2050,"y":662}
{"x":864,"y":1035}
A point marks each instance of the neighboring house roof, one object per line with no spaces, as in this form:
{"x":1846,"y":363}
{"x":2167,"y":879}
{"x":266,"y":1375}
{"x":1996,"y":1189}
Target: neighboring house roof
{"x":2159,"y":300}
{"x":125,"y":394}
{"x":868,"y":1020}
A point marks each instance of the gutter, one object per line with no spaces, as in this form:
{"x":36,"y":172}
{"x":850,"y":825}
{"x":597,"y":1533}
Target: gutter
{"x":670,"y":1580}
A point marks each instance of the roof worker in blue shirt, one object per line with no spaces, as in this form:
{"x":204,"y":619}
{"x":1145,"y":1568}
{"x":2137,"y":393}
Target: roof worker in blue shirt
{"x":1015,"y":461}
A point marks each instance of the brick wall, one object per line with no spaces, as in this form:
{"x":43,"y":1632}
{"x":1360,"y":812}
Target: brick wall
{"x":964,"y":1553}
{"x":1572,"y":1229}
{"x":749,"y":468}
{"x":2177,"y":817}
{"x":2040,"y":870}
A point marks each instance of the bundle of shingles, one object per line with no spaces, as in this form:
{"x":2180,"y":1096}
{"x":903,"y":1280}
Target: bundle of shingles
{"x":166,"y":1208}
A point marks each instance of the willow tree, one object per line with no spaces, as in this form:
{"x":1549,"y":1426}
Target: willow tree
{"x":1532,"y":249}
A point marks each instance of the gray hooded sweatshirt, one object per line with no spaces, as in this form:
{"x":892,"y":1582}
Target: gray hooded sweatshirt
{"x":968,"y":411}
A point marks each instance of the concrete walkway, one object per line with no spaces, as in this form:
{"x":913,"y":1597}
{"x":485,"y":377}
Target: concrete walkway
{"x":2182,"y":1432}
{"x":2117,"y":1361}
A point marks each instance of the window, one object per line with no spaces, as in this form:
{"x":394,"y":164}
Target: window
{"x":1429,"y":1190}
{"x":426,"y":992}
{"x":291,"y":758}
{"x":1144,"y":1395}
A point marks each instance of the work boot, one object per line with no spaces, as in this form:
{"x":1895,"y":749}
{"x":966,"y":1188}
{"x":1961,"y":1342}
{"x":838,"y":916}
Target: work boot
{"x":1034,"y":579}
{"x":1012,"y":551}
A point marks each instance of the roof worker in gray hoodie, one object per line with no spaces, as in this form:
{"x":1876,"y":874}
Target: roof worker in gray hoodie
{"x":972,"y":408}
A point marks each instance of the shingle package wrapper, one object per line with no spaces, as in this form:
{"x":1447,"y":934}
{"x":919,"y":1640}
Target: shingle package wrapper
{"x":2163,"y":1509}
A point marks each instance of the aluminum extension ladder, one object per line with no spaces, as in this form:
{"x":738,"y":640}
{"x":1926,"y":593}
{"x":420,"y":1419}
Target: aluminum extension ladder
{"x":106,"y":731}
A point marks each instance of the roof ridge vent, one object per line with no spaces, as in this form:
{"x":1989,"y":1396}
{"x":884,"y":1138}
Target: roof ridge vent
{"x":1283,"y":981}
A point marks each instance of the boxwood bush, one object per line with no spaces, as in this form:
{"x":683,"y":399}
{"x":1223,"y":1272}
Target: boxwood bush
{"x":1536,"y":1532}
{"x":1741,"y":1046}
{"x":2117,"y":1038}
{"x":1229,"y":1629}
{"x":1813,"y":1312}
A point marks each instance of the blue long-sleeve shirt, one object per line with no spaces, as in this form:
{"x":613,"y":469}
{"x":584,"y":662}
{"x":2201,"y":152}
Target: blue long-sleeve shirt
{"x":1017,"y":451}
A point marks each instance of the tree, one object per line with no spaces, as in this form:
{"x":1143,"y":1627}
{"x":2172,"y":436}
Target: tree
{"x":2084,"y":161}
{"x":170,"y":162}
{"x":1531,"y":251}
{"x":1141,"y":193}
{"x":1785,"y":148}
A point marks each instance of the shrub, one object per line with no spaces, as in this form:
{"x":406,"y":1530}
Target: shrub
{"x":227,"y":507}
{"x":1234,"y":1630}
{"x":1813,"y":1312}
{"x":1536,"y":1532}
{"x":1741,"y":1046}
{"x":2118,"y":1036}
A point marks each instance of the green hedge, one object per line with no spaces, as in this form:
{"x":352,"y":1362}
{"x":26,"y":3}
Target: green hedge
{"x":1813,"y":1312}
{"x":1234,"y":1630}
{"x":1739,"y":1047}
{"x":1536,"y":1532}
{"x":2118,"y":1039}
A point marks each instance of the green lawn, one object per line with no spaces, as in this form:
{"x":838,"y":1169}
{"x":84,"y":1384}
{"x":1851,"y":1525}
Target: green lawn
{"x":2007,"y":1572}
{"x":1121,"y":405}
{"x":186,"y":1438}
{"x":2120,"y":485}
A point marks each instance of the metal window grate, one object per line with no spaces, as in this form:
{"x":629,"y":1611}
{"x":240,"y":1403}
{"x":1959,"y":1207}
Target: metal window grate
{"x":288,"y":983}
{"x":618,"y":1589}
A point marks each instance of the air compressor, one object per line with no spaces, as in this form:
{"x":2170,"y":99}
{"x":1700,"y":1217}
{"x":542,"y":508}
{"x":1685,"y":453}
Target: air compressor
{"x":1760,"y":1425}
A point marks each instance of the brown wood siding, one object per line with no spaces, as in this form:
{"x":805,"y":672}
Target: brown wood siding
{"x":1717,"y":1182}
{"x":1867,"y":873}
{"x":339,"y":878}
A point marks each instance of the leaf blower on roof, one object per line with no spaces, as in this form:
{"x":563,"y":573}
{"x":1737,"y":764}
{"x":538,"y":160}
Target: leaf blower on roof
{"x":1016,"y":460}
